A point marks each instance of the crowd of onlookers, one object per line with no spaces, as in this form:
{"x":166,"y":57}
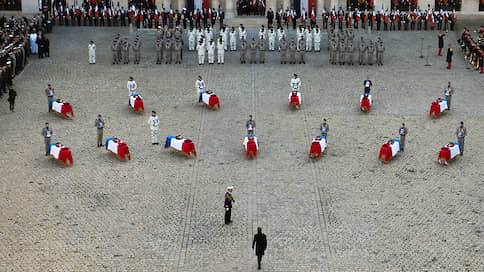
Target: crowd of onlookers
{"x":19,"y":38}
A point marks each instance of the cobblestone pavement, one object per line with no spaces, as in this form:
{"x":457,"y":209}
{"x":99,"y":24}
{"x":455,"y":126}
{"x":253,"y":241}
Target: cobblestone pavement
{"x":162,"y":211}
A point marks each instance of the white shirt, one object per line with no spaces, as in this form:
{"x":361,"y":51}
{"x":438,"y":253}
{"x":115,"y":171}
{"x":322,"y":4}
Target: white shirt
{"x":317,"y":35}
{"x":243,"y":34}
{"x":295,"y":84}
{"x":201,"y":49}
{"x":220,"y":47}
{"x":200,"y":85}
{"x":92,"y":48}
{"x":154,"y":122}
{"x":233,"y":36}
{"x":211,"y":48}
{"x":271,"y":36}
{"x":132,"y":86}
{"x":191,"y":36}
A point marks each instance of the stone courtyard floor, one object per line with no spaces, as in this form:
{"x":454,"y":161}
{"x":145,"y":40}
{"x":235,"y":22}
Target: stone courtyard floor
{"x":162,"y":211}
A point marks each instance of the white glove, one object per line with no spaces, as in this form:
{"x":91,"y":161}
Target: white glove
{"x":227,"y":209}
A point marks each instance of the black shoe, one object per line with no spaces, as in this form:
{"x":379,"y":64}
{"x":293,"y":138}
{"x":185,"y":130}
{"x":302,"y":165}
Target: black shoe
{"x":47,"y":154}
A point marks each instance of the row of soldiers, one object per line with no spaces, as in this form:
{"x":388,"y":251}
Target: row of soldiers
{"x":91,"y":14}
{"x":373,"y":19}
{"x":342,"y":46}
{"x":474,"y":51}
{"x":120,"y":49}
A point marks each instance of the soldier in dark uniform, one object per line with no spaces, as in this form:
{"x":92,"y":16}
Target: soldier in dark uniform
{"x":229,"y":199}
{"x":449,"y":56}
{"x":243,"y":50}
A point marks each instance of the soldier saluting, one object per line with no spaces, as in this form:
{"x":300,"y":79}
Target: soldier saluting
{"x":229,"y":199}
{"x":461,"y":134}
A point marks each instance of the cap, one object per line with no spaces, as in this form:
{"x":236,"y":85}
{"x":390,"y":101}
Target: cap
{"x":230,"y":187}
{"x":250,"y":115}
{"x":461,"y":122}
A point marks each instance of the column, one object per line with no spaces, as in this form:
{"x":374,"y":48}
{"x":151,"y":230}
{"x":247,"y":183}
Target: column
{"x":229,"y":9}
{"x":273,"y":5}
{"x":287,"y":4}
{"x":319,"y":9}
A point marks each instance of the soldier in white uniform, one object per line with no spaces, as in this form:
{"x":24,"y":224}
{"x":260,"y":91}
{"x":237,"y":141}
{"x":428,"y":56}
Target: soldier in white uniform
{"x":272,"y":39}
{"x":233,"y":40}
{"x":201,"y":53}
{"x":220,"y":51}
{"x":317,"y":39}
{"x":211,"y":52}
{"x":242,"y":33}
{"x":309,"y":39}
{"x":154,"y":123}
{"x":300,"y":36}
{"x":191,"y":39}
{"x":92,"y":52}
{"x":223,"y":32}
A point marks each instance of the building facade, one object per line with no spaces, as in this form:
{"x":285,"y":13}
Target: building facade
{"x":466,"y":6}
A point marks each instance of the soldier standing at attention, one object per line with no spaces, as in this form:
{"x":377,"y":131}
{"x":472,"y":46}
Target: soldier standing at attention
{"x":49,"y":92}
{"x":92,"y":52}
{"x":125,"y":51}
{"x":403,"y":132}
{"x":283,"y":48}
{"x":250,"y":124}
{"x":262,"y":48}
{"x":449,"y":91}
{"x":167,"y":51}
{"x":253,"y":48}
{"x":220,"y":51}
{"x":47,"y":133}
{"x":302,"y":51}
{"x":362,"y":48}
{"x":154,"y":123}
{"x":229,"y":199}
{"x":342,"y":51}
{"x":200,"y":52}
{"x":441,"y":42}
{"x":371,"y":50}
{"x":380,"y":48}
{"x":461,"y":134}
{"x":243,"y":50}
{"x":324,"y":129}
{"x":292,"y":52}
{"x":449,"y":56}
{"x":178,"y":51}
{"x":349,"y":52}
{"x":99,"y":124}
{"x":132,"y":86}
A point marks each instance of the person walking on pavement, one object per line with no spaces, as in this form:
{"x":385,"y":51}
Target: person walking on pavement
{"x":403,"y":132}
{"x":99,"y":124}
{"x":11,"y":99}
{"x":461,"y":134}
{"x":229,"y":199}
{"x":47,"y":133}
{"x":154,"y":123}
{"x":260,"y":243}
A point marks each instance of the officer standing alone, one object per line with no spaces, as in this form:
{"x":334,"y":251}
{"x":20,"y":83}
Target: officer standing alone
{"x":461,"y":134}
{"x":47,"y":133}
{"x":99,"y":124}
{"x":229,"y":199}
{"x":403,"y":132}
